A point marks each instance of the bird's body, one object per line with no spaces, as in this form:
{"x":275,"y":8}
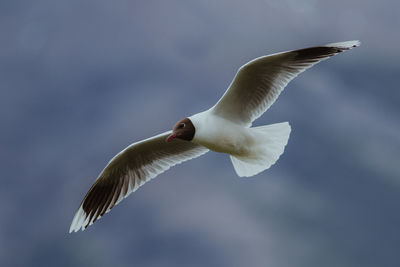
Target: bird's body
{"x":225,"y":128}
{"x":228,"y":137}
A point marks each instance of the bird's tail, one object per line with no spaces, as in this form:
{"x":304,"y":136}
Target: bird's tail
{"x":271,"y":143}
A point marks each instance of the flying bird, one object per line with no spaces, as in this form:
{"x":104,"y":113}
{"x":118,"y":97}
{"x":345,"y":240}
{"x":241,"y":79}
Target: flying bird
{"x":225,"y":128}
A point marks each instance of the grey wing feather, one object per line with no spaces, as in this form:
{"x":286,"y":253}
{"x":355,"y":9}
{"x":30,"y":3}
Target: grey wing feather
{"x":127,"y":171}
{"x":258,"y":83}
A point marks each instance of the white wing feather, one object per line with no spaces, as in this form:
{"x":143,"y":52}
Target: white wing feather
{"x":128,"y":170}
{"x":259,"y":82}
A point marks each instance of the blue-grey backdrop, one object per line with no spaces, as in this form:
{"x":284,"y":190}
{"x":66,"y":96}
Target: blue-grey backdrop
{"x":80,"y":80}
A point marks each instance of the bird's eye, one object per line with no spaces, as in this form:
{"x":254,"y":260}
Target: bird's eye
{"x":181,"y":125}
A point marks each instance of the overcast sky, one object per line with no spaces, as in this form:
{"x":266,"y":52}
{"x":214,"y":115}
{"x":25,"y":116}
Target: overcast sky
{"x":80,"y":80}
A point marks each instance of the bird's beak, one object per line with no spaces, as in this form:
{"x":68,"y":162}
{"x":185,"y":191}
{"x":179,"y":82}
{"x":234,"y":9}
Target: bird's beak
{"x":170,"y":137}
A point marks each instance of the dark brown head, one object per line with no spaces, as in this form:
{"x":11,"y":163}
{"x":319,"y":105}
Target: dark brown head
{"x":183,"y":129}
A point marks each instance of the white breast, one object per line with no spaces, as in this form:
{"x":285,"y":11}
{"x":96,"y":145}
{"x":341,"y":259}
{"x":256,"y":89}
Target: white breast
{"x":221,"y":135}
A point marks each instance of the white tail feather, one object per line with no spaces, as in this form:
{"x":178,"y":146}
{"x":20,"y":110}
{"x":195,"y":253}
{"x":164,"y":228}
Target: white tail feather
{"x":272,"y":140}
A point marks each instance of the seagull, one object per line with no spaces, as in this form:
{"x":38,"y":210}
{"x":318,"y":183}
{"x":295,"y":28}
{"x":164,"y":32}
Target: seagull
{"x":225,"y":128}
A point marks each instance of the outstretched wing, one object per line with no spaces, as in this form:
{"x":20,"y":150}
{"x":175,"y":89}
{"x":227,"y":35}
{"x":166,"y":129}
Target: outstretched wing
{"x":128,"y":170}
{"x":259,"y":82}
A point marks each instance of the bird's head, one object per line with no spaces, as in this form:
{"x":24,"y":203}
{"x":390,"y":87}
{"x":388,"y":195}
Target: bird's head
{"x":183,"y":129}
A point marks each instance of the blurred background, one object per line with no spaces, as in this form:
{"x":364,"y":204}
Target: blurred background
{"x":81,"y":80}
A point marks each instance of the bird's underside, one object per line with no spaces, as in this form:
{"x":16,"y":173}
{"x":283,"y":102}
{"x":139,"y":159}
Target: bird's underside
{"x":254,"y":89}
